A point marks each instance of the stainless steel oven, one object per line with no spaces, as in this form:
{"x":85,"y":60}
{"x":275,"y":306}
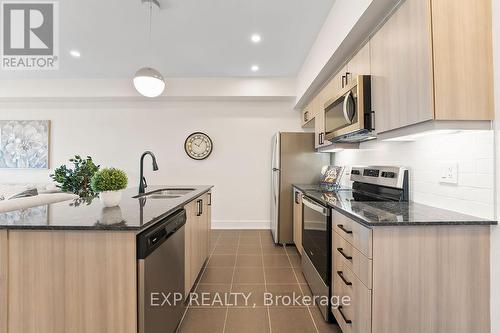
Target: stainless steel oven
{"x":316,"y":258}
{"x":348,"y":116}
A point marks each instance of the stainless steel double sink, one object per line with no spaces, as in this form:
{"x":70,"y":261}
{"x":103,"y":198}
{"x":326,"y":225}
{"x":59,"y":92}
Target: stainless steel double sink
{"x":166,"y":193}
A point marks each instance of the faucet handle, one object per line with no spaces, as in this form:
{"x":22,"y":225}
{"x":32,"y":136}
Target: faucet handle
{"x":144,"y":182}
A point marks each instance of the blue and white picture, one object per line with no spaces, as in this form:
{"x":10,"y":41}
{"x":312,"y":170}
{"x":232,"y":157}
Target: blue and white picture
{"x":24,"y":144}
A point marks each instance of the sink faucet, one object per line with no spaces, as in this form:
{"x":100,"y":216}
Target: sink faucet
{"x":142,"y":183}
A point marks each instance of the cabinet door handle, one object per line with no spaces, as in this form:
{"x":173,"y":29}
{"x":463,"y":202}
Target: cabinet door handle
{"x":209,"y":199}
{"x":297,"y":198}
{"x":343,"y":79}
{"x":341,"y":227}
{"x":320,"y":138}
{"x":341,"y":274}
{"x":341,"y":251}
{"x":347,"y":74}
{"x":198,"y":203}
{"x":306,"y":116}
{"x":347,"y":321}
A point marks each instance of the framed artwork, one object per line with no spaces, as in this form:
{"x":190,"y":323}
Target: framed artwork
{"x":24,"y":144}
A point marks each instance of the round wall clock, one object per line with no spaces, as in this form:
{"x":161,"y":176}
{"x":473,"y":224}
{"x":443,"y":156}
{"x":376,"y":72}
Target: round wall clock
{"x":198,"y":146}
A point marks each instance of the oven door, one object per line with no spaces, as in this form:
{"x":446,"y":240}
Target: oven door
{"x":316,"y":233}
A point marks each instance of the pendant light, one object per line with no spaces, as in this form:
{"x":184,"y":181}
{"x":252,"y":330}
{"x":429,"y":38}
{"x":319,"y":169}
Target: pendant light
{"x":148,"y":81}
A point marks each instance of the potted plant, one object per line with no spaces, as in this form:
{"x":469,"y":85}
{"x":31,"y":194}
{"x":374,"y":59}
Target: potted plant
{"x":109,"y":183}
{"x":77,"y":179}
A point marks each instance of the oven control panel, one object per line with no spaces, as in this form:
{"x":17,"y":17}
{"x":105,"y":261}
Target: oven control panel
{"x":379,"y":175}
{"x":371,"y":172}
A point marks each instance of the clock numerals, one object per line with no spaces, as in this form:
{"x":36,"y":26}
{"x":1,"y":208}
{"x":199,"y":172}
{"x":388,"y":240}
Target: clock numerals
{"x":198,"y":146}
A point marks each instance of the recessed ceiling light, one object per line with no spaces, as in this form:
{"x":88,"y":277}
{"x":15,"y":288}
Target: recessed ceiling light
{"x":255,"y":38}
{"x":75,"y":53}
{"x":255,"y":68}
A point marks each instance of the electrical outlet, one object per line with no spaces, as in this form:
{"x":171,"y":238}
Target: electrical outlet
{"x":449,"y":173}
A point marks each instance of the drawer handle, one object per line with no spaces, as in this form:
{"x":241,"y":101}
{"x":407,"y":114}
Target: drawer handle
{"x":341,"y":274}
{"x":341,"y":251}
{"x":341,"y":227}
{"x":347,"y":321}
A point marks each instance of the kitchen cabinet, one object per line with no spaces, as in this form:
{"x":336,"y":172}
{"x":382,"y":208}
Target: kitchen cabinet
{"x":401,"y":65}
{"x":307,"y":116}
{"x":411,"y":279}
{"x":3,"y":281}
{"x":319,"y":121}
{"x":359,"y":64}
{"x":462,"y":50}
{"x":189,"y":230}
{"x":71,"y":281}
{"x":430,"y":61}
{"x":197,"y":234}
{"x":297,"y":220}
{"x":329,"y":91}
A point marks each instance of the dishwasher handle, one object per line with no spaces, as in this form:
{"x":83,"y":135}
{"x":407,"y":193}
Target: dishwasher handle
{"x":152,"y":238}
{"x":314,"y":206}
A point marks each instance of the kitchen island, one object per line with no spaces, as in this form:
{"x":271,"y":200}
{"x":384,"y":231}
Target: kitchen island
{"x":72,"y":266}
{"x":406,"y":267}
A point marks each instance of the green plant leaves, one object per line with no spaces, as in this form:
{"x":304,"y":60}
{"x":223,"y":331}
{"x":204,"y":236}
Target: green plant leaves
{"x":77,"y":179}
{"x":109,"y":179}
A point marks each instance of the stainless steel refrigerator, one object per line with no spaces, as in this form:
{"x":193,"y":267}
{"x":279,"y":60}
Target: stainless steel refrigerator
{"x":294,"y":161}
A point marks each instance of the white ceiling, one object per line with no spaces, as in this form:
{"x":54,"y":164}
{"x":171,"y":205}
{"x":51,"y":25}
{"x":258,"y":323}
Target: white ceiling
{"x":191,"y":38}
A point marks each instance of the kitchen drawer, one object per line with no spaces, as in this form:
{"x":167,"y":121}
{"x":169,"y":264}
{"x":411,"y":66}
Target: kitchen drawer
{"x":350,"y":257}
{"x":357,"y":235}
{"x":354,"y":317}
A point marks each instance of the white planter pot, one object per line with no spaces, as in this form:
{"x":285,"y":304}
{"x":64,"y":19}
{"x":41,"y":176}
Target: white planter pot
{"x":110,"y":198}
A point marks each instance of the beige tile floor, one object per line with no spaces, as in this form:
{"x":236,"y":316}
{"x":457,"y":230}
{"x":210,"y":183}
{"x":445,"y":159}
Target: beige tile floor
{"x":247,"y":261}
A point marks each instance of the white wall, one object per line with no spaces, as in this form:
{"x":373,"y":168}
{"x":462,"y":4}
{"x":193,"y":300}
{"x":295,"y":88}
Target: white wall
{"x":472,"y":150}
{"x":343,"y":15}
{"x":199,"y":87}
{"x":116,"y":133}
{"x":495,"y":230}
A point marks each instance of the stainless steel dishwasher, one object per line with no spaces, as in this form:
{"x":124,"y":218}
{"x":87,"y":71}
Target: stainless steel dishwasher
{"x":160,"y":263}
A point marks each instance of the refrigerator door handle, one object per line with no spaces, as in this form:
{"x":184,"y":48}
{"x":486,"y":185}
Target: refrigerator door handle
{"x":276,"y":169}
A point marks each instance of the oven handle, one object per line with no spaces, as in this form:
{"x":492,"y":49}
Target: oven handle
{"x":318,"y":208}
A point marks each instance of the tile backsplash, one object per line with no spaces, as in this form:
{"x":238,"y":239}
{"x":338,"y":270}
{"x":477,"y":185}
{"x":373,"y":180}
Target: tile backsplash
{"x":472,"y":151}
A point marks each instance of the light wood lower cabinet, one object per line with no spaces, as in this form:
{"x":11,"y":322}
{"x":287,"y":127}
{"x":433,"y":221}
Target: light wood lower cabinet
{"x":197,"y":238}
{"x":3,"y":280}
{"x":297,"y":220}
{"x":354,"y":316}
{"x":71,"y":281}
{"x":432,"y":279}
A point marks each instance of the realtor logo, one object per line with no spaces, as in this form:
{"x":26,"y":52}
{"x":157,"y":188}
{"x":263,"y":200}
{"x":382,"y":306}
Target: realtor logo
{"x":30,"y":35}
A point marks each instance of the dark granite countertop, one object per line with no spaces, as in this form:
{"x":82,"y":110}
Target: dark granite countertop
{"x":132,"y":214}
{"x":373,"y":213}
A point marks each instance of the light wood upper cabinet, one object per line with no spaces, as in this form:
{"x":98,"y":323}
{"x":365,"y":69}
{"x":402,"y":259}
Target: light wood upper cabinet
{"x":433,"y":60}
{"x":462,"y":47}
{"x":360,"y":63}
{"x":307,"y":115}
{"x":401,"y":68}
{"x":319,"y":120}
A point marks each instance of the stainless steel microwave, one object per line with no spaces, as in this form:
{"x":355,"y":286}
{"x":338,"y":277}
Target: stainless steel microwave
{"x":348,"y":116}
